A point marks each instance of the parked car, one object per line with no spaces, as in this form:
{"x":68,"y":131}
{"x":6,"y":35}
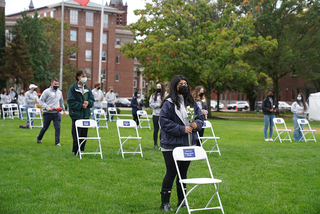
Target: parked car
{"x":239,"y":105}
{"x":283,"y":106}
{"x":129,"y":98}
{"x":213,"y":105}
{"x":122,"y":102}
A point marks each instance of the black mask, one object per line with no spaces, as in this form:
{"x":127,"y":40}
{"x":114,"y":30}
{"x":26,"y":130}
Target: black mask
{"x":12,"y":89}
{"x":158,"y":90}
{"x":270,"y":96}
{"x":183,"y":89}
{"x":55,"y":87}
{"x":201,"y":94}
{"x":98,"y":88}
{"x":21,"y":93}
{"x":111,"y":91}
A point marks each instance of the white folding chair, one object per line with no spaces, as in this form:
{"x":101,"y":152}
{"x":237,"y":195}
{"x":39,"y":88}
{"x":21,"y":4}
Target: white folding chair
{"x":7,"y":111}
{"x":35,"y":114}
{"x":113,"y":112}
{"x":102,"y":114}
{"x":14,"y":110}
{"x":194,"y":153}
{"x":145,"y":119}
{"x":128,"y":124}
{"x":22,"y":110}
{"x":302,"y":123}
{"x":88,"y":124}
{"x":281,"y":127}
{"x":212,"y":137}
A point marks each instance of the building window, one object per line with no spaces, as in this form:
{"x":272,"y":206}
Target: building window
{"x":118,"y":60}
{"x":293,"y":94}
{"x":118,"y":41}
{"x":73,"y":56}
{"x":105,"y":20}
{"x":117,"y":77}
{"x":134,"y":83}
{"x":45,"y":15}
{"x":73,"y":17}
{"x":9,"y":35}
{"x":88,"y":55}
{"x":103,"y":74}
{"x":135,"y":61}
{"x":151,"y":82}
{"x":89,"y":18}
{"x":104,"y":38}
{"x":88,"y":36}
{"x":51,"y":14}
{"x":88,"y":71}
{"x":104,"y":56}
{"x":143,"y":83}
{"x":134,"y":73}
{"x":73,"y":35}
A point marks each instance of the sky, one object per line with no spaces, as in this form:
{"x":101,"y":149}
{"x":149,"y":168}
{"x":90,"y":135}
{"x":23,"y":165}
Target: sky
{"x":15,"y":6}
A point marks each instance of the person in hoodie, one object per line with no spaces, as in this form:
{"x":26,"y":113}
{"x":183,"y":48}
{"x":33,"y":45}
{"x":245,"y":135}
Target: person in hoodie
{"x":176,"y":131}
{"x":136,"y":104}
{"x":98,"y":97}
{"x":300,"y":109}
{"x":31,"y":102}
{"x":270,"y":108}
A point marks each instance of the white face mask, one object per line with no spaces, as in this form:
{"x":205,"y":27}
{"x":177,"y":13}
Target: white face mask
{"x":83,"y":80}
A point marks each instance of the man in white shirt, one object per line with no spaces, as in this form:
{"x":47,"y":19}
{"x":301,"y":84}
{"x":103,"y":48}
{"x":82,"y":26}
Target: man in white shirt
{"x":98,"y":97}
{"x":111,"y":99}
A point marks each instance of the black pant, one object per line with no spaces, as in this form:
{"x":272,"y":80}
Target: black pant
{"x":155,"y":120}
{"x":172,"y":172}
{"x":201,"y":135}
{"x":135,"y":118}
{"x":47,"y":118}
{"x":83,"y":132}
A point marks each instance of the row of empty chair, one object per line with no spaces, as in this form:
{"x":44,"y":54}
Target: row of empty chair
{"x":12,"y":110}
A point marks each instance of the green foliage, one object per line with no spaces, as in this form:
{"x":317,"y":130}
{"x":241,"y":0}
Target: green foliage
{"x":2,"y":42}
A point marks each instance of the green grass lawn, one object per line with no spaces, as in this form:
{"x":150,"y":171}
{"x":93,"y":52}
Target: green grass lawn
{"x":258,"y":176}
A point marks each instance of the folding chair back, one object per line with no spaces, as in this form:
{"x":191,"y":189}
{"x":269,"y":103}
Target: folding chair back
{"x":22,"y":110}
{"x":88,"y":124}
{"x":212,"y":137}
{"x":145,"y":119}
{"x":113,"y":112}
{"x":123,"y":139}
{"x":102,"y":114}
{"x":35,"y":114}
{"x":7,"y":111}
{"x":194,"y":153}
{"x":302,"y":123}
{"x":14,"y":110}
{"x":281,"y":127}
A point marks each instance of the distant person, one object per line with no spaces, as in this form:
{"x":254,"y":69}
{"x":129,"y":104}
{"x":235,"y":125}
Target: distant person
{"x":98,"y":97}
{"x":51,"y":101}
{"x":111,"y":99}
{"x":31,"y":102}
{"x":14,"y":98}
{"x":136,"y":104}
{"x":21,"y":102}
{"x":5,"y":99}
{"x":80,"y":100}
{"x":177,"y":131}
{"x":269,"y":108}
{"x":155,"y":103}
{"x":300,"y":109}
{"x":200,"y":99}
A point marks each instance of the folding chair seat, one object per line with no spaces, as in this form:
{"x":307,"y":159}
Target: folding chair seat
{"x":102,"y":117}
{"x":281,"y":127}
{"x":128,"y":124}
{"x":88,"y":124}
{"x":145,"y":119}
{"x":207,"y":125}
{"x":196,"y":153}
{"x":22,"y":110}
{"x":7,"y":111}
{"x":113,"y":112}
{"x":14,"y":110}
{"x":35,"y":114}
{"x":302,"y":123}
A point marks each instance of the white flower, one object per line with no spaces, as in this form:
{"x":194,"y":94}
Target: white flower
{"x":191,"y":109}
{"x":274,"y":106}
{"x":188,"y":108}
{"x":86,"y":90}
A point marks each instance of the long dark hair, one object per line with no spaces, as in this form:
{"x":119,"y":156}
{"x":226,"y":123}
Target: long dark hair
{"x":154,"y":95}
{"x":173,"y":93}
{"x":3,"y":90}
{"x":303,"y":101}
{"x":196,"y":93}
{"x":78,"y":74}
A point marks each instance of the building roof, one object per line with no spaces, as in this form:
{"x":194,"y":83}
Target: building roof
{"x":31,"y":4}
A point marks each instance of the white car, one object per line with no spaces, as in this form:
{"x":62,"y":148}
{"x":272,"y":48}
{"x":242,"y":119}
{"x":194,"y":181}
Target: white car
{"x":213,"y":105}
{"x":239,"y":105}
{"x":283,"y":106}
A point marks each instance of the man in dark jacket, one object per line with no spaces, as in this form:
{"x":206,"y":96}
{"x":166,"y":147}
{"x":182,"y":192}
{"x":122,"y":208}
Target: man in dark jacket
{"x":136,"y":104}
{"x":270,"y":108}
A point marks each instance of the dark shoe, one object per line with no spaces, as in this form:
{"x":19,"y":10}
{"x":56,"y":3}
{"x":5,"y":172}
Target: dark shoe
{"x":180,"y":197}
{"x":165,"y":198}
{"x":38,"y":141}
{"x":156,"y":146}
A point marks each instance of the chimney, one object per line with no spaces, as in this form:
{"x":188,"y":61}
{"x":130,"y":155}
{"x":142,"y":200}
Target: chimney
{"x":31,"y":6}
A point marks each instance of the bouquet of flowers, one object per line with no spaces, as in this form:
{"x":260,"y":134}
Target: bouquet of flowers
{"x":85,"y":95}
{"x":190,"y":113}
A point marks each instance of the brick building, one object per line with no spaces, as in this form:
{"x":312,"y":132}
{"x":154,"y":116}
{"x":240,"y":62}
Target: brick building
{"x":116,"y":70}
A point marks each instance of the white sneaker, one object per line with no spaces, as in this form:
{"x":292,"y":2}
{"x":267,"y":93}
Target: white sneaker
{"x":270,"y":139}
{"x":266,"y":139}
{"x":58,"y":144}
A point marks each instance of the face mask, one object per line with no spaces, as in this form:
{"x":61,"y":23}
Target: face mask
{"x":138,"y":95}
{"x":183,"y":90}
{"x":98,"y":88}
{"x":270,"y":96}
{"x":111,"y":91}
{"x":201,"y":94}
{"x":83,"y":80}
{"x":158,"y":90}
{"x":21,"y":93}
{"x":299,"y":98}
{"x":12,"y":89}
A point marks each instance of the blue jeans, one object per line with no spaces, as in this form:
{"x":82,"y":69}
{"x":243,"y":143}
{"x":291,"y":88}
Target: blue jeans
{"x":47,"y":118}
{"x":297,"y":135}
{"x":268,"y":119}
{"x":31,"y":114}
{"x":93,"y":116}
{"x":109,"y":105}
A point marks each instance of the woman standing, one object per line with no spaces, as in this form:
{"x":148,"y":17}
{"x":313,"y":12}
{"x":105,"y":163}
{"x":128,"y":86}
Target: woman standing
{"x":4,"y":99}
{"x":21,"y":102}
{"x":155,"y":103}
{"x":98,"y":97}
{"x":177,"y":131}
{"x":269,"y":107}
{"x":136,"y":104}
{"x":31,"y":102}
{"x":199,"y":97}
{"x":80,"y":100}
{"x":300,"y":109}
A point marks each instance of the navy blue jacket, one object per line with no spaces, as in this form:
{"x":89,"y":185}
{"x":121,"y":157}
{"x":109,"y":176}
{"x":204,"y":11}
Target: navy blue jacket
{"x":135,"y":104}
{"x":173,"y":128}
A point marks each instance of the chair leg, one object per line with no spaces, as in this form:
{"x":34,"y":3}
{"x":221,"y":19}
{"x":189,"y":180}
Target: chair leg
{"x":165,"y":198}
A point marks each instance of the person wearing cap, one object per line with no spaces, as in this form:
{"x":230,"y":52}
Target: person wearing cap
{"x":31,"y":100}
{"x":51,"y":101}
{"x":270,"y":108}
{"x":98,"y":97}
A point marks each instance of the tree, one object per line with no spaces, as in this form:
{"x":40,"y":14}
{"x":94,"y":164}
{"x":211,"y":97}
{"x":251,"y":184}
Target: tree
{"x":16,"y":60}
{"x":2,"y":41}
{"x":203,"y":41}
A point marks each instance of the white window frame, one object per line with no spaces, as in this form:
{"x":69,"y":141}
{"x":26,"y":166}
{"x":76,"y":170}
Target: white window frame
{"x":143,"y":83}
{"x":74,"y":17}
{"x":104,"y":55}
{"x":44,"y":14}
{"x":52,"y":14}
{"x":89,"y":18}
{"x":105,"y":20}
{"x":117,"y":77}
{"x":87,"y":52}
{"x":118,"y":41}
{"x":104,"y":38}
{"x":135,"y":83}
{"x":89,"y":72}
{"x":73,"y":56}
{"x":104,"y":73}
{"x":72,"y":36}
{"x":89,"y":37}
{"x":118,"y":60}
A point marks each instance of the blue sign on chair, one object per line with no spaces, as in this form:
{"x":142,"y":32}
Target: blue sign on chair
{"x":126,"y":123}
{"x":99,"y":111}
{"x":204,"y":125}
{"x":189,"y":153}
{"x":34,"y":109}
{"x":86,"y":123}
{"x":278,"y":121}
{"x":303,"y":121}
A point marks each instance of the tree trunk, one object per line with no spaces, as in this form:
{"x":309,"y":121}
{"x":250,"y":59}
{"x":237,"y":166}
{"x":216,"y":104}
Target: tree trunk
{"x":208,"y":99}
{"x":218,"y":101}
{"x":276,"y":87}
